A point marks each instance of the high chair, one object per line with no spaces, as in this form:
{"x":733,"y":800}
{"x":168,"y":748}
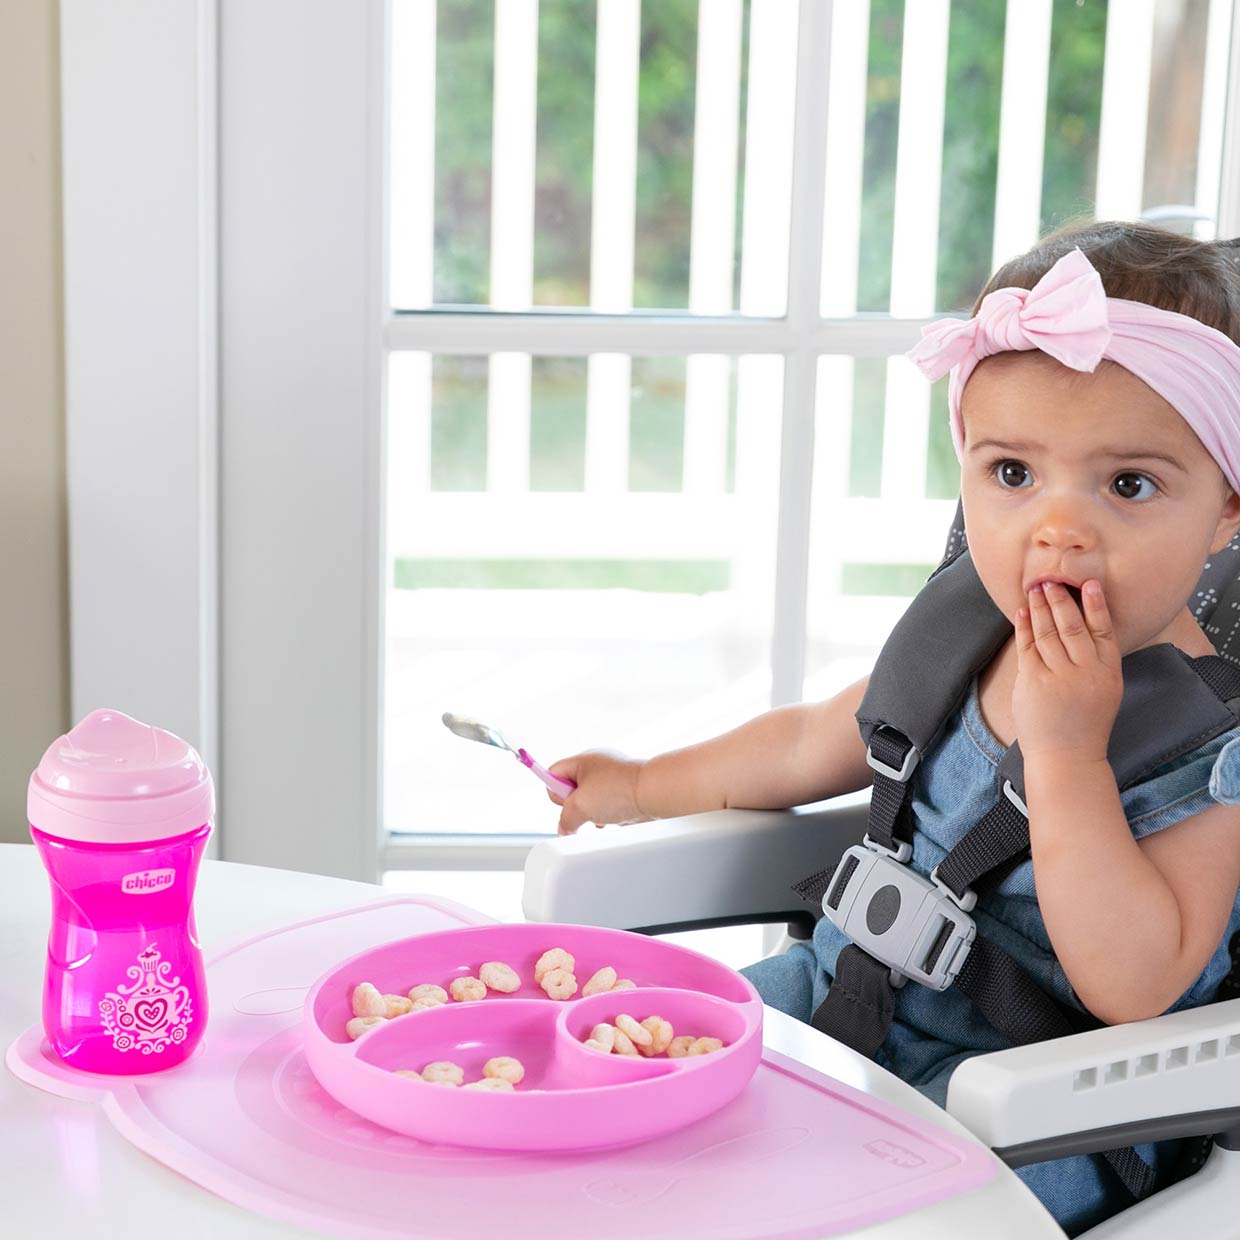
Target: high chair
{"x":1177,"y":1075}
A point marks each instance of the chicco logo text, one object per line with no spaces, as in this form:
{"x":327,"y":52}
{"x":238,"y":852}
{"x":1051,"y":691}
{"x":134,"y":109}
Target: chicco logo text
{"x":146,"y":881}
{"x":894,"y":1154}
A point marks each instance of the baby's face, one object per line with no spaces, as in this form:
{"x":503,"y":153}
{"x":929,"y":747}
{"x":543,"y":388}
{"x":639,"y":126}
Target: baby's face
{"x":1071,"y":476}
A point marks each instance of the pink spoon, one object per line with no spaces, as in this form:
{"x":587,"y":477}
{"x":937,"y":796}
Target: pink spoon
{"x":472,"y":730}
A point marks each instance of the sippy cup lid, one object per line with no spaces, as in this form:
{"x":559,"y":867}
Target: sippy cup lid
{"x":113,"y":780}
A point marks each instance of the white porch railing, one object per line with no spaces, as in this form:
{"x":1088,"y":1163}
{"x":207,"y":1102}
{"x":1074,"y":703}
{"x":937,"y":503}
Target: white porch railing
{"x":793,"y":352}
{"x":703,"y":520}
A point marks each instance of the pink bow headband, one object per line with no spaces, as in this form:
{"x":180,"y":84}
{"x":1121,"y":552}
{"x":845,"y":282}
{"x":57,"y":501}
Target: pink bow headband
{"x":1068,"y":315}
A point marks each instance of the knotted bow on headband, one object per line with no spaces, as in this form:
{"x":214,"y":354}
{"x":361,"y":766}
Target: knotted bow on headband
{"x":1068,"y":315}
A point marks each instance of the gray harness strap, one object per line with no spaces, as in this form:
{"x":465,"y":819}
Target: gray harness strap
{"x":923,"y":672}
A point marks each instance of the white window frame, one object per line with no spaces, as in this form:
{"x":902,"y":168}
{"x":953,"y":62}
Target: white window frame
{"x":225,"y":345}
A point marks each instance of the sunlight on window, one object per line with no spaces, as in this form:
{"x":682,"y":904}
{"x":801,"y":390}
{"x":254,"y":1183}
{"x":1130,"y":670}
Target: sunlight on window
{"x":627,"y":608}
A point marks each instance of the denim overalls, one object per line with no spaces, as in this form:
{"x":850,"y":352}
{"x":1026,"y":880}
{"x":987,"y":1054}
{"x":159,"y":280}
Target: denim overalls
{"x":955,"y":784}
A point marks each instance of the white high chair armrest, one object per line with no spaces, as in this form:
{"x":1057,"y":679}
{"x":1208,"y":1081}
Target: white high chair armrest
{"x":726,"y":864}
{"x":1175,"y":1065}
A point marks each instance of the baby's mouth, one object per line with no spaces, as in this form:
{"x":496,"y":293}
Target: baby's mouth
{"x":1074,"y":592}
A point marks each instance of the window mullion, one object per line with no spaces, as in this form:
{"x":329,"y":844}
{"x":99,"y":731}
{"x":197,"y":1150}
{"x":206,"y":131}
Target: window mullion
{"x":577,"y":334}
{"x":800,"y":374}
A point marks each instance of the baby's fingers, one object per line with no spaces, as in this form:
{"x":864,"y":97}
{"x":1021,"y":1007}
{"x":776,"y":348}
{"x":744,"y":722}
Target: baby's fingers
{"x":1098,"y":618}
{"x":570,"y":818}
{"x":566,"y":769}
{"x":1026,"y":639}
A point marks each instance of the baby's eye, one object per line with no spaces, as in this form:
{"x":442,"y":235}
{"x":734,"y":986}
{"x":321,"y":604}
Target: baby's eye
{"x":1129,"y":486}
{"x":1012,"y":474}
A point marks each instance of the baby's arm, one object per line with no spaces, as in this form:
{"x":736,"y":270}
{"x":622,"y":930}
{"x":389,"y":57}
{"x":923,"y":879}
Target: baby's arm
{"x":789,"y":756}
{"x":1133,"y":923}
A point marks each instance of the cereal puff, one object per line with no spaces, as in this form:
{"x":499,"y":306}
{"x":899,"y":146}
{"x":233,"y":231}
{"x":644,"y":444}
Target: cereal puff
{"x":678,"y":1048}
{"x":467,"y":989}
{"x":661,"y":1034}
{"x":496,"y":975}
{"x":428,"y":994}
{"x":604,"y":1033}
{"x":367,"y":1001}
{"x":602,"y":981}
{"x":441,"y":1072}
{"x":492,"y":1084}
{"x":638,"y":1035}
{"x":624,"y":1045}
{"x":397,"y":1005}
{"x":504,"y":1068}
{"x":553,"y":958}
{"x":559,"y":984}
{"x":363,"y":1024}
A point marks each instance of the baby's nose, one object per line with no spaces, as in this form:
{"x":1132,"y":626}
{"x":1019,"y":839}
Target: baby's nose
{"x":1065,"y":527}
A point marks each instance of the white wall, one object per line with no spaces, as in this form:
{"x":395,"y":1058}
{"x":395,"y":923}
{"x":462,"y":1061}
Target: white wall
{"x":34,"y":659}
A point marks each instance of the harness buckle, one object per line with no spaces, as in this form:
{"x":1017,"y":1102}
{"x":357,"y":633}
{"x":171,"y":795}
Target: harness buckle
{"x":916,"y":927}
{"x":901,"y":852}
{"x":1010,"y":793}
{"x":964,"y":902}
{"x":911,"y":758}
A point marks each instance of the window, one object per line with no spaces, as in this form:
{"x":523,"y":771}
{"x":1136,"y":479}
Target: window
{"x":608,"y":545}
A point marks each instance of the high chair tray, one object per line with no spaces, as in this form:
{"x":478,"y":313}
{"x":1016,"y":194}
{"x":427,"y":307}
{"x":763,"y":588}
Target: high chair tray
{"x":793,"y":1155}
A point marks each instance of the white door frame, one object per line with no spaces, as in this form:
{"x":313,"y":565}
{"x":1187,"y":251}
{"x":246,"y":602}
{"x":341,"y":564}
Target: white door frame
{"x":138,"y":100}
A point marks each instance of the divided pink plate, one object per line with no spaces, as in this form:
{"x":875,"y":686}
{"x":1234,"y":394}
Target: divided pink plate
{"x":572,"y":1097}
{"x":795,"y":1155}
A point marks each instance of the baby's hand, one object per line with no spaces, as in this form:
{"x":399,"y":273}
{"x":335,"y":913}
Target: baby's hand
{"x":606,"y":790}
{"x":1068,"y":681}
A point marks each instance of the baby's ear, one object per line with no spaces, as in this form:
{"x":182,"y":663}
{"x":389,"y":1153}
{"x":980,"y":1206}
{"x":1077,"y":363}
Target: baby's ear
{"x":1228,"y":523}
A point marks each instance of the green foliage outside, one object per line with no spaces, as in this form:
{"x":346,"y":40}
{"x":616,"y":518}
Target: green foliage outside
{"x":667,"y":81}
{"x":564,"y":176}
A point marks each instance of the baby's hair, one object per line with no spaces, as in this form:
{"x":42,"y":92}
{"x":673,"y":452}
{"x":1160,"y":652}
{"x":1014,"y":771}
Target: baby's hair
{"x":1140,"y":262}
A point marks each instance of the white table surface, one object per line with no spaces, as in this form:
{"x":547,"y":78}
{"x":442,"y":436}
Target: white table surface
{"x":115,"y":1190}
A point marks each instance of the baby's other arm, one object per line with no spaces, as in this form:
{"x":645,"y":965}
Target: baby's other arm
{"x":1132,"y":922}
{"x":789,"y":756}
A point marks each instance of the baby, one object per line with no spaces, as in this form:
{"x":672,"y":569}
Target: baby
{"x":1095,"y":406}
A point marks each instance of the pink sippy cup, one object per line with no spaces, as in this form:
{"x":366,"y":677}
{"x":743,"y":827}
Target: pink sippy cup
{"x":120,"y":812}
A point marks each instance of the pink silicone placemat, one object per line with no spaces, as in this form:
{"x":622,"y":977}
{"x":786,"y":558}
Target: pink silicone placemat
{"x":794,"y":1155}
